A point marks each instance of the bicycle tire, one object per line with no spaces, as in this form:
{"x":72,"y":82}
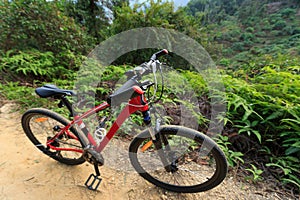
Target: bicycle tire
{"x":151,"y":173}
{"x":38,"y":133}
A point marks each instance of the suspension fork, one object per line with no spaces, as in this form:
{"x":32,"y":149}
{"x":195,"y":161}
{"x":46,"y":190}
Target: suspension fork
{"x":158,"y":139}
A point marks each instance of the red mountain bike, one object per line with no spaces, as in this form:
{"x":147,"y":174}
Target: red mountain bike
{"x":175,"y":158}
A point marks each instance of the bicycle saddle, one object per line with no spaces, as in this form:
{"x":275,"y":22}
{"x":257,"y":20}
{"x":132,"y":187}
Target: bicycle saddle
{"x":52,"y":91}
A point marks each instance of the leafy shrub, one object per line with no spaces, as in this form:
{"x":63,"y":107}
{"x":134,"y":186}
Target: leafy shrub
{"x":233,"y":157}
{"x":249,"y":29}
{"x":33,"y":64}
{"x":279,"y":25}
{"x":247,"y":36}
{"x":225,"y":62}
{"x":31,"y":24}
{"x":287,"y":12}
{"x":274,"y":18}
{"x":196,"y":81}
{"x":267,"y":109}
{"x":238,"y":46}
{"x":261,"y":34}
{"x":23,"y":95}
{"x":276,"y":33}
{"x":296,"y":31}
{"x":288,"y":30}
{"x":265,"y":25}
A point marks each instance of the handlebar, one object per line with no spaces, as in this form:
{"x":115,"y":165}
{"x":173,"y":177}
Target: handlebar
{"x":159,"y":53}
{"x":145,"y":68}
{"x":135,"y":75}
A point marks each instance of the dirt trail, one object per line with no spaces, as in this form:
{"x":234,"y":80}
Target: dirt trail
{"x":28,"y":174}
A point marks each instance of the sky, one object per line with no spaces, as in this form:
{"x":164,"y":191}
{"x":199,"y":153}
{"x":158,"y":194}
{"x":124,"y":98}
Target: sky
{"x":177,"y":2}
{"x":181,"y":2}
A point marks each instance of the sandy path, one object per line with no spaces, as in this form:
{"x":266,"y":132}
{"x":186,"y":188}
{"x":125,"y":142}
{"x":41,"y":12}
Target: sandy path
{"x":28,"y":174}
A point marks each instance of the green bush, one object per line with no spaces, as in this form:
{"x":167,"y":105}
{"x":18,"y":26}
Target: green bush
{"x":261,"y":34}
{"x":279,"y":25}
{"x":296,"y":31}
{"x":247,"y":36}
{"x":238,"y":46}
{"x":288,"y":30}
{"x":276,"y":33}
{"x":274,"y":18}
{"x":33,"y":64}
{"x":225,"y":62}
{"x":267,"y":109}
{"x":249,"y":29}
{"x":287,"y":12}
{"x":42,"y":25}
{"x":23,"y":95}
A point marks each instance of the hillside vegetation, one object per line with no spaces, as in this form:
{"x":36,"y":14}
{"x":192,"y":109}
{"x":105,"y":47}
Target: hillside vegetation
{"x":255,"y":44}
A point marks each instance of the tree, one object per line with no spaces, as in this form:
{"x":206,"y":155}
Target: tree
{"x":195,"y":6}
{"x":94,"y":15}
{"x":41,"y":25}
{"x":152,"y":14}
{"x":90,"y":14}
{"x":214,"y":11}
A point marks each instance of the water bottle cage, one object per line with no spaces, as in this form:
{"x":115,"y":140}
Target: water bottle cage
{"x":100,"y":134}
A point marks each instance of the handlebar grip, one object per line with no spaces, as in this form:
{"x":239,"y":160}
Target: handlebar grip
{"x":158,"y":54}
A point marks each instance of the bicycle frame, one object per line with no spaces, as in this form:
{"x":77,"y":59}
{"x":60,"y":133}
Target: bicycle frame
{"x":135,"y":104}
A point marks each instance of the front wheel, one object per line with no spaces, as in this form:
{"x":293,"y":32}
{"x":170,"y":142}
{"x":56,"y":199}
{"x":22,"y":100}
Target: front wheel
{"x":194,"y":161}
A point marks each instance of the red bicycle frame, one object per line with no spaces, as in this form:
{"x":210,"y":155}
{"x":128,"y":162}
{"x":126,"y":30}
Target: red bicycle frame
{"x":135,"y":104}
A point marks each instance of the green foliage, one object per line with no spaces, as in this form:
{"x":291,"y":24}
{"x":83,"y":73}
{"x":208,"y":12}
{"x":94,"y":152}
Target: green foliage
{"x":232,"y":157}
{"x":255,"y":28}
{"x":281,"y":84}
{"x":288,"y":12}
{"x":289,"y":167}
{"x":256,"y":174}
{"x":280,"y":24}
{"x":92,"y":15}
{"x":21,"y":94}
{"x":196,"y":81}
{"x":154,"y":13}
{"x":224,"y":62}
{"x":114,"y":73}
{"x":39,"y":41}
{"x":28,"y":63}
{"x":213,"y":11}
{"x":33,"y":64}
{"x":267,"y":108}
{"x":28,"y":24}
{"x":257,"y":43}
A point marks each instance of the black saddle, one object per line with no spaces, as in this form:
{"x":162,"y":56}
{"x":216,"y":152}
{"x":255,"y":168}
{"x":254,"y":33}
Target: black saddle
{"x":53,"y":91}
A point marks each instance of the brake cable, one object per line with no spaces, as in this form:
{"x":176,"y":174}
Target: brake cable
{"x":155,"y":90}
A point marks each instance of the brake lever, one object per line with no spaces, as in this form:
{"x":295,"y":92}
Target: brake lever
{"x":146,"y":84}
{"x":153,"y":65}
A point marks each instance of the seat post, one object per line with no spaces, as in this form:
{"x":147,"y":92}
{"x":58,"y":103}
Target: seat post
{"x":67,"y":103}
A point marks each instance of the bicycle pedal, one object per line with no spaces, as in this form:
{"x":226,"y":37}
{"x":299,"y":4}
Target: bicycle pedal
{"x":93,"y":182}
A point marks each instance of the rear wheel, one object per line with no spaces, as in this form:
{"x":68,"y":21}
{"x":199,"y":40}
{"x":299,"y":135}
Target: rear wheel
{"x":41,"y":125}
{"x":194,"y":162}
